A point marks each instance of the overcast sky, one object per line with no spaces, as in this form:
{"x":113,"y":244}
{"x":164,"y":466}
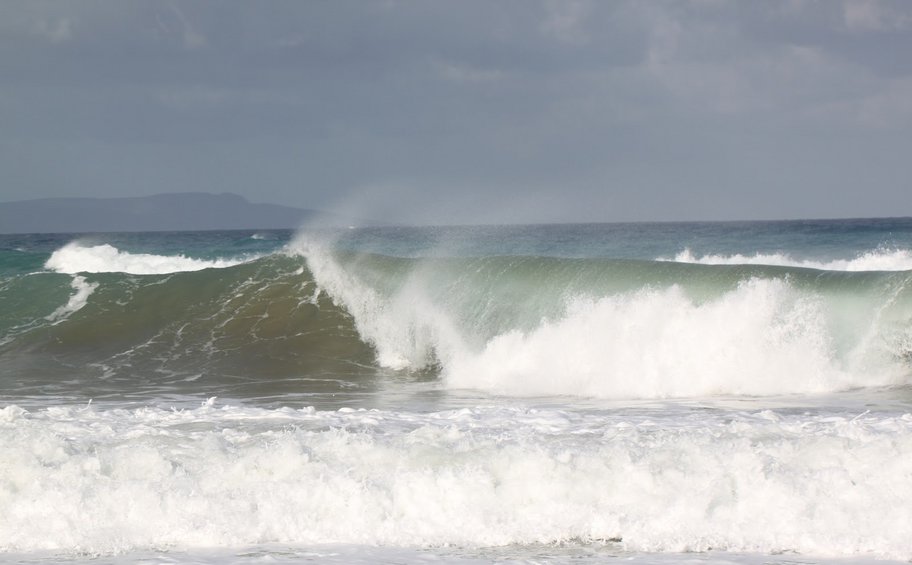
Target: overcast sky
{"x":465,"y":111}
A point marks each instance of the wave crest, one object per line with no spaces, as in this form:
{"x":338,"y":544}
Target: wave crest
{"x":875,"y":260}
{"x":76,"y":258}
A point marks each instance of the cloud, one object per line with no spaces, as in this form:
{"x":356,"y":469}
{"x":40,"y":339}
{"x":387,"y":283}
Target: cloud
{"x":56,"y":30}
{"x":471,"y":109}
{"x":565,"y":20}
{"x":175,"y":23}
{"x":888,"y":108}
{"x":786,"y":61}
{"x":464,"y":73}
{"x":875,"y":16}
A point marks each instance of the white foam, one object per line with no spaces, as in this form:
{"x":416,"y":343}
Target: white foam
{"x":95,"y":481}
{"x":876,"y":260}
{"x":80,"y":297}
{"x":76,"y":258}
{"x":763,"y":338}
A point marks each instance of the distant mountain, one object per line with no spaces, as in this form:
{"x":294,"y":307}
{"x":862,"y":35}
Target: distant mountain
{"x":189,"y":211}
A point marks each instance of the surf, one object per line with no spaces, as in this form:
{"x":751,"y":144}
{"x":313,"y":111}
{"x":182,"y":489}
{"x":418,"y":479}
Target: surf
{"x":624,"y":328}
{"x":219,"y":475}
{"x":519,"y":325}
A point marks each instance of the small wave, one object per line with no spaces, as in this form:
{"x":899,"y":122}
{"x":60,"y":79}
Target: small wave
{"x":876,"y":260}
{"x":76,"y":258}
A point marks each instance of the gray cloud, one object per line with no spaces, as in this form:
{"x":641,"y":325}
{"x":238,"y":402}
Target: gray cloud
{"x":466,"y":111}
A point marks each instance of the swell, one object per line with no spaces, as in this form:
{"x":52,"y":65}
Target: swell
{"x":311,"y":318}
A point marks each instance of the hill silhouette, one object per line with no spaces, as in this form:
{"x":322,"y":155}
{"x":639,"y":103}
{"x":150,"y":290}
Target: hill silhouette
{"x":189,"y":211}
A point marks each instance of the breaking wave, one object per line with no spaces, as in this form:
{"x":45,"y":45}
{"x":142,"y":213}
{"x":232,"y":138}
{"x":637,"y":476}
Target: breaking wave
{"x":624,"y":329}
{"x":505,"y":325}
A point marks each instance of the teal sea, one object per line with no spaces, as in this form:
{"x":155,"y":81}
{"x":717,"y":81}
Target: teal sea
{"x":637,"y":393}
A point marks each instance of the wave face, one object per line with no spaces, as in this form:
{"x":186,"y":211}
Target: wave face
{"x":248,"y":329}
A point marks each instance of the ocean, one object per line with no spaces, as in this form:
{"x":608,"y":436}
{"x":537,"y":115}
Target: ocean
{"x":669,"y":393}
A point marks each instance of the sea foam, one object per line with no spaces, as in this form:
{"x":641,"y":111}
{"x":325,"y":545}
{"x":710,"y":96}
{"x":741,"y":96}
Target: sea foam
{"x":762,"y":338}
{"x":77,"y":258}
{"x":104,"y":481}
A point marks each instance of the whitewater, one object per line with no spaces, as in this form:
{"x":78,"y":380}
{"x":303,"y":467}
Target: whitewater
{"x":637,"y":393}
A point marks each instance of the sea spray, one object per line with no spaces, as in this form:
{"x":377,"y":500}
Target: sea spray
{"x":397,"y":317}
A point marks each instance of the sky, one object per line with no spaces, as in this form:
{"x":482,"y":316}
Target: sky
{"x":465,"y":112}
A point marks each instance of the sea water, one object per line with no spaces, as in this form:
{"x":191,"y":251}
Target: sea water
{"x":636,"y":393}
